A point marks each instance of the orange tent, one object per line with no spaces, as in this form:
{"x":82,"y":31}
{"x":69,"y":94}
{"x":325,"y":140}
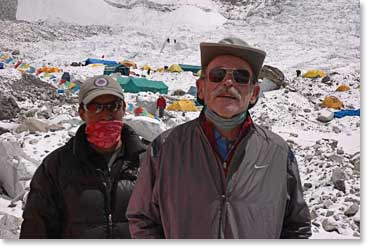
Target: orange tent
{"x":343,"y":88}
{"x":332,"y":102}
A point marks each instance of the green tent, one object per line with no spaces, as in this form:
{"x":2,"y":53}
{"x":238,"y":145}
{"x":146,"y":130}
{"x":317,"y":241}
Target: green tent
{"x":191,"y":68}
{"x":135,"y":85}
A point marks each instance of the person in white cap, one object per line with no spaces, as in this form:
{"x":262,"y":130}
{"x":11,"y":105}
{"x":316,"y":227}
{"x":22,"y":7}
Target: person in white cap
{"x":81,"y":190}
{"x":221,"y":175}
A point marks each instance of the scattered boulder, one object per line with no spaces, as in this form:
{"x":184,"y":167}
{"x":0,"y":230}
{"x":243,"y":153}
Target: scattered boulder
{"x":329,"y":224}
{"x":338,"y":179}
{"x":33,"y":125}
{"x":3,"y":130}
{"x":8,"y":107}
{"x":325,"y":115}
{"x":352,"y":210}
{"x":178,"y":92}
{"x":356,"y":161}
{"x":14,"y":172}
{"x":145,"y":127}
{"x":9,"y":225}
{"x":15,"y":52}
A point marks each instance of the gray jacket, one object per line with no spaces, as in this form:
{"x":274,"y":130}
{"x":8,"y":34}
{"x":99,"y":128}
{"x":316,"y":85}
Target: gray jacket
{"x":182,"y":191}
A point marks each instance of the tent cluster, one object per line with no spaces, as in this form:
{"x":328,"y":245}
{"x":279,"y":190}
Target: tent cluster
{"x":9,"y":61}
{"x":137,"y":84}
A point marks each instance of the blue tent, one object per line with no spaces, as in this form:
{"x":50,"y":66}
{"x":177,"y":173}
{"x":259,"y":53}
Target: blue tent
{"x":191,"y":68}
{"x":1,"y":65}
{"x":347,"y":112}
{"x":99,"y":61}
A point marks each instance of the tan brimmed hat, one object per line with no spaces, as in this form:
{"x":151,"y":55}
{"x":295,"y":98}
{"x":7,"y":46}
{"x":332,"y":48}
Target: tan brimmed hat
{"x":235,"y":47}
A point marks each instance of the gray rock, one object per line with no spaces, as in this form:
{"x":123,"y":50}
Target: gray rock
{"x":8,"y":107}
{"x":357,"y":218}
{"x":340,"y":151}
{"x":15,"y":52}
{"x":307,"y":186}
{"x":315,"y":223}
{"x":352,"y":210}
{"x":328,"y":203}
{"x":10,"y":222}
{"x":32,"y":125}
{"x":356,"y":161}
{"x":8,"y":234}
{"x":336,"y":158}
{"x":329,"y":213}
{"x":329,"y":224}
{"x":333,"y":143}
{"x":336,"y":129}
{"x":338,"y":179}
{"x":325,"y":115}
{"x":313,"y":214}
{"x":307,"y":110}
{"x":3,"y":130}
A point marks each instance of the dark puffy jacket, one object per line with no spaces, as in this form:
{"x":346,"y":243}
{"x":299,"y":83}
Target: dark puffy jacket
{"x":74,"y":195}
{"x":182,"y":191}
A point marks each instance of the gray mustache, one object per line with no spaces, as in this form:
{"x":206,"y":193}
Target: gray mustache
{"x":231,"y":91}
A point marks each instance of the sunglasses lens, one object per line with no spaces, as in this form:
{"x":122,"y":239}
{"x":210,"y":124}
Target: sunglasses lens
{"x":217,"y":75}
{"x":115,"y":106}
{"x":92,"y":107}
{"x":97,"y":108}
{"x":241,"y":76}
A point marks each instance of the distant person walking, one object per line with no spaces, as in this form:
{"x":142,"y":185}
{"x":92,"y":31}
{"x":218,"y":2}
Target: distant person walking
{"x":161,"y":105}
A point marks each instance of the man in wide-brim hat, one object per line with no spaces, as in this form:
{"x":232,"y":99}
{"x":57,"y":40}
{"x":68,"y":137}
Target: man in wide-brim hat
{"x":221,"y":175}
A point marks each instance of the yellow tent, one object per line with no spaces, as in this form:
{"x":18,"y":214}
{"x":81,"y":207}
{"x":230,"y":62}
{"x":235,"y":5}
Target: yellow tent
{"x":147,"y":67}
{"x":160,"y":70}
{"x":175,"y":68}
{"x":129,"y":63}
{"x":314,"y":74}
{"x":182,"y":105}
{"x":332,"y":102}
{"x":343,"y":88}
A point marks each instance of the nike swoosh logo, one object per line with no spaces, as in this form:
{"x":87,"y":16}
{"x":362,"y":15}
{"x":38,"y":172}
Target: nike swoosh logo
{"x":262,"y":166}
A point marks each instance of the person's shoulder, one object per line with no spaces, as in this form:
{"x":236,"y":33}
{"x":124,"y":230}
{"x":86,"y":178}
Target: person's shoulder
{"x":267,"y":135}
{"x":177,"y":134}
{"x":53,"y":159}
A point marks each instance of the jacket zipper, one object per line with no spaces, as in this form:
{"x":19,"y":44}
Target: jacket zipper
{"x":107,"y":190}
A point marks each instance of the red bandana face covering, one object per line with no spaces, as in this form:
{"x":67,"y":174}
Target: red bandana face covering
{"x":104,"y":134}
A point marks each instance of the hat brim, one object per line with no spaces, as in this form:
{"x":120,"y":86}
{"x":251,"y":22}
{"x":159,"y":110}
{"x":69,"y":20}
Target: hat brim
{"x":254,"y":57}
{"x":100,"y":92}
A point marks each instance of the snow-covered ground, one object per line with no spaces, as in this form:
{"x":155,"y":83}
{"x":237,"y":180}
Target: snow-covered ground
{"x":304,"y":35}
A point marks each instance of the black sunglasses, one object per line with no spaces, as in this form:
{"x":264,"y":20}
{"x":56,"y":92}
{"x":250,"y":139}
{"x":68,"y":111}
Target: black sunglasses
{"x":99,"y":107}
{"x":240,"y":76}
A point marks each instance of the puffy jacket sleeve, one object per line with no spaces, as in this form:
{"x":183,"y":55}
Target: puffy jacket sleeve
{"x":143,"y":210}
{"x":41,"y":214}
{"x":297,"y":221}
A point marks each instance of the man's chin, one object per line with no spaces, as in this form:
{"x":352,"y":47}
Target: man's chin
{"x":227,"y":114}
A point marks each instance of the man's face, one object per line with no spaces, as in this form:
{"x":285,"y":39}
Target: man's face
{"x":92,"y":115}
{"x":227,"y":97}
